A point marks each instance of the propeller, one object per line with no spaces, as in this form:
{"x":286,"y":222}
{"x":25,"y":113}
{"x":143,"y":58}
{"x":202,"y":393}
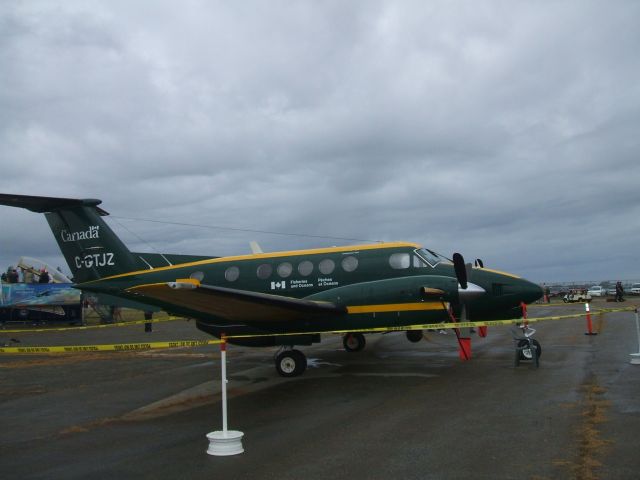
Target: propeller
{"x":460,"y":269}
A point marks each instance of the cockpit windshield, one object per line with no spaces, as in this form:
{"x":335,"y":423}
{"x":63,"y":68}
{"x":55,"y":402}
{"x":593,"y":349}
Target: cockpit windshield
{"x":429,"y":256}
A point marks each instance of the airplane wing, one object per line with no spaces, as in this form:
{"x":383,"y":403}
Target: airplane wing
{"x":234,"y":305}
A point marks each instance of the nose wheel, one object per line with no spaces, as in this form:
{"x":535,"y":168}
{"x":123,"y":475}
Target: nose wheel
{"x":528,"y":349}
{"x":291,"y":363}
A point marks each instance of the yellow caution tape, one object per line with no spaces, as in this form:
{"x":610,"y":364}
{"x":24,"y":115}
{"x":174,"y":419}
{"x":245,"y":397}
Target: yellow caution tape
{"x":543,"y":305}
{"x":118,"y":347}
{"x":93,"y":327}
{"x":201,"y":343}
{"x":439,"y":326}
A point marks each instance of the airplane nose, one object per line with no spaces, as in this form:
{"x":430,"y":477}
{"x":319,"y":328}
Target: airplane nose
{"x":529,"y":291}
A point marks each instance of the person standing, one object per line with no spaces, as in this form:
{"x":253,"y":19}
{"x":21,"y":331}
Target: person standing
{"x":547,"y":294}
{"x":12,"y":275}
{"x":619,"y":292}
{"x":27,"y":275}
{"x":44,"y":276}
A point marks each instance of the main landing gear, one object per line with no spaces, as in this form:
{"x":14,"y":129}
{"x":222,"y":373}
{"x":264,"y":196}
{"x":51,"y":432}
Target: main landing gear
{"x":353,"y":342}
{"x":290,"y":362}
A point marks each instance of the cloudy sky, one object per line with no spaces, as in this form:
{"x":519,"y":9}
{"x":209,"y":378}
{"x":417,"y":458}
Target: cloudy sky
{"x":503,"y":130}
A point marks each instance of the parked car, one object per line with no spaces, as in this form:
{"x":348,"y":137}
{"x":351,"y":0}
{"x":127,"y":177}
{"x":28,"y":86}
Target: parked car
{"x":635,"y":289}
{"x":597,"y":291}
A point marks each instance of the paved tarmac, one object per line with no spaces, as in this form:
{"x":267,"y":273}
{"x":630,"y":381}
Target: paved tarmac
{"x":395,"y":410}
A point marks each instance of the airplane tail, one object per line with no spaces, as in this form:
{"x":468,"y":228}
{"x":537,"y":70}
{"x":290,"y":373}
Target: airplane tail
{"x":92,"y":250}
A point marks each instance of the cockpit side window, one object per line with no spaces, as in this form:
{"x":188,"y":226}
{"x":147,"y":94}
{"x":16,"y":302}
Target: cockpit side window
{"x":418,"y":262}
{"x":429,"y":257}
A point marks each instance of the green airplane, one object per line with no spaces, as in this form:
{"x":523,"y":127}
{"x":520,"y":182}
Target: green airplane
{"x":282,"y":298}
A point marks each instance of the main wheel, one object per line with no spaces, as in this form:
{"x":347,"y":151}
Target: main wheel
{"x":353,"y":342}
{"x":524,"y":350}
{"x":291,"y":363}
{"x":414,"y":336}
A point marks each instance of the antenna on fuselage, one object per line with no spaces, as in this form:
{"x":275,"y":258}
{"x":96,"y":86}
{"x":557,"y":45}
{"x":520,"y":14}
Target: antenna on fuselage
{"x":255,"y":248}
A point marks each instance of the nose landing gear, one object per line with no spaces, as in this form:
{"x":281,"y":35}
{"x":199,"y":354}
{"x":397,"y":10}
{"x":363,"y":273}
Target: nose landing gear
{"x":527,"y":348}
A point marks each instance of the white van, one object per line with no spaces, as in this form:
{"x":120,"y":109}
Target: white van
{"x":635,"y":289}
{"x":597,"y":291}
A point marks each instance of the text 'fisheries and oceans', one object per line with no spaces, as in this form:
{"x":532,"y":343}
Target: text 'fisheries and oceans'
{"x":301,"y":284}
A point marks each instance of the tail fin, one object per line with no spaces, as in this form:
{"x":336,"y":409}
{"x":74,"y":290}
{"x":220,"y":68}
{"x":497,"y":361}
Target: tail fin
{"x":92,"y":250}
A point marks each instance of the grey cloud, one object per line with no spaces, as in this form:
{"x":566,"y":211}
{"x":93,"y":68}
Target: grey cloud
{"x":503,"y":130}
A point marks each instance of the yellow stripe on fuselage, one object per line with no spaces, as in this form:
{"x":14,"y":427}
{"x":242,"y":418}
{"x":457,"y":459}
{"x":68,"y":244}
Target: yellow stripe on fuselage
{"x":255,"y":256}
{"x":500,"y":272}
{"x":394,"y":307}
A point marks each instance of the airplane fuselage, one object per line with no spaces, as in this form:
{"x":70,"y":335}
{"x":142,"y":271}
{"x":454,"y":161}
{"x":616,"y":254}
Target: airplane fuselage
{"x":379,"y":285}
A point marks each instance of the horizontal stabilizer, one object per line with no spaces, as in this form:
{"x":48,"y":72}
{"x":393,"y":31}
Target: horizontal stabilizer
{"x":48,"y":204}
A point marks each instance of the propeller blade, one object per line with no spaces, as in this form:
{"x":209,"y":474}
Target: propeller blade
{"x":479,"y":263}
{"x":460,"y":269}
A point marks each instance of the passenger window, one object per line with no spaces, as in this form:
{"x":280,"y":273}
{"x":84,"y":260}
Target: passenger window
{"x":232,"y":274}
{"x":326,"y":266}
{"x":285,"y":269}
{"x":349,"y":264}
{"x":264,"y":271}
{"x":305,"y":268}
{"x":399,"y":260}
{"x":197,"y":276}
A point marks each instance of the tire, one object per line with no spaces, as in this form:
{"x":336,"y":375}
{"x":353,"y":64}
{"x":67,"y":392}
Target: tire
{"x":353,"y":342}
{"x":414,"y":336}
{"x":525,"y":353}
{"x":291,"y":363}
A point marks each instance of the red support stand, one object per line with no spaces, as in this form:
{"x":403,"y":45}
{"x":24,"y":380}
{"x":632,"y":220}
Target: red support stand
{"x":482,"y":331}
{"x":464,"y":348}
{"x":464,"y":343}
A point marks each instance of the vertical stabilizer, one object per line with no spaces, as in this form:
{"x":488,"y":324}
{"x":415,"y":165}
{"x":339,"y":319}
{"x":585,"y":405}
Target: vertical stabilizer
{"x":92,"y":250}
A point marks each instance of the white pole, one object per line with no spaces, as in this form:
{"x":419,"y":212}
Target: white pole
{"x":635,"y":357}
{"x":225,"y":442}
{"x":223,"y":361}
{"x":638,"y":330}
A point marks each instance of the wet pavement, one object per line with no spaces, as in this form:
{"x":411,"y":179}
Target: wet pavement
{"x":395,"y":409}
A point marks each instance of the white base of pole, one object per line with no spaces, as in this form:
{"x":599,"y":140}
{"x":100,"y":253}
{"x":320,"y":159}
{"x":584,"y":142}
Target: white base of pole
{"x":635,"y":358}
{"x":225,"y":443}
